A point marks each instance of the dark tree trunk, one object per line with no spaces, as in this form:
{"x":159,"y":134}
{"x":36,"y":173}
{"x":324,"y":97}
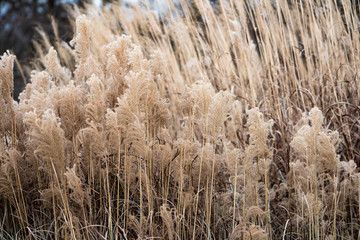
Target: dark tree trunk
{"x":34,"y":7}
{"x":51,"y":5}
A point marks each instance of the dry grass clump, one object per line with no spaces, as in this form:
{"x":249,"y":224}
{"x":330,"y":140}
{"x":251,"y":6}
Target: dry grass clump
{"x":201,"y":123}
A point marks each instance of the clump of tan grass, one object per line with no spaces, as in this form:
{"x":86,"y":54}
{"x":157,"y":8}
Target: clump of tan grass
{"x":202,"y":122}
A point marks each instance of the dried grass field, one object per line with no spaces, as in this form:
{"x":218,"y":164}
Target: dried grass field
{"x":227,"y":120}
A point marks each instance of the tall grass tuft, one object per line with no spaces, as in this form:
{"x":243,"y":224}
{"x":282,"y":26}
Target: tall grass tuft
{"x":225,"y":120}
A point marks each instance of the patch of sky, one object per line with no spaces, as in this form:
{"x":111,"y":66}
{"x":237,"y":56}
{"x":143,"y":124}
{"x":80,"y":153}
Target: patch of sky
{"x":159,"y":6}
{"x":4,"y":7}
{"x":97,"y":2}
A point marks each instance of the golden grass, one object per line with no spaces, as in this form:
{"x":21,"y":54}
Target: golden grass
{"x":233,"y":121}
